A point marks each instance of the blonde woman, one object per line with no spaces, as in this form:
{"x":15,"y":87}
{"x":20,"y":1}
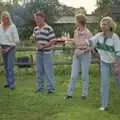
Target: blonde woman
{"x":80,"y":57}
{"x":8,"y":41}
{"x":108,"y":45}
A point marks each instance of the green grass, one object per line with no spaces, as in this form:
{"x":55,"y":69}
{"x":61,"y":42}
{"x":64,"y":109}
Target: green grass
{"x":24,"y":104}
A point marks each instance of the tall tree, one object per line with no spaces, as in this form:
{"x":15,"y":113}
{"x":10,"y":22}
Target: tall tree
{"x":81,"y":10}
{"x":50,"y":7}
{"x":103,"y":7}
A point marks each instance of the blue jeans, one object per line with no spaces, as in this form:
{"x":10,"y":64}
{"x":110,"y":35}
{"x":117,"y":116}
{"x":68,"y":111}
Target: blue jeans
{"x":105,"y":82}
{"x":9,"y":59}
{"x":83,"y":60}
{"x":44,"y":67}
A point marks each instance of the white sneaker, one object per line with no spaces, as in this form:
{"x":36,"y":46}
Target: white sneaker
{"x":101,"y":108}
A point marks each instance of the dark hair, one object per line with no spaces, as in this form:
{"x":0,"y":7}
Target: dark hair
{"x":40,"y":13}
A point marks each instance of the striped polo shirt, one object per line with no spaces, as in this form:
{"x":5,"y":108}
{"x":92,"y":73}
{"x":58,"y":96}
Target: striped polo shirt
{"x":44,"y":35}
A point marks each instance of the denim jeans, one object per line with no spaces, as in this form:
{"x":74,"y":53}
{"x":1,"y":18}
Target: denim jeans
{"x":83,"y":60}
{"x":44,"y":67}
{"x":9,"y":59}
{"x":105,"y":82}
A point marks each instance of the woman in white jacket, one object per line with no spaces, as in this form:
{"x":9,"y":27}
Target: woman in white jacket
{"x":8,"y":41}
{"x":108,"y":45}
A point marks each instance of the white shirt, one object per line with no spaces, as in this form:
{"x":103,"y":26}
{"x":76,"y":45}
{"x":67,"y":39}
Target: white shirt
{"x":113,"y":41}
{"x":9,"y":36}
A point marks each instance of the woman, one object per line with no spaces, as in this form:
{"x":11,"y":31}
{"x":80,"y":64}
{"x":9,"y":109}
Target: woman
{"x":80,"y":57}
{"x":108,"y":45}
{"x":8,"y":41}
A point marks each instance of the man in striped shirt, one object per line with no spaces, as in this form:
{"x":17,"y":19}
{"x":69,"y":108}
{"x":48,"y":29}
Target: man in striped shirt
{"x":43,"y":34}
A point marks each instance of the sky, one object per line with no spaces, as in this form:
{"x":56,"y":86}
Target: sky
{"x":89,"y":5}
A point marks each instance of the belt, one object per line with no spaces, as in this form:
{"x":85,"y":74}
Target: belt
{"x":39,"y":50}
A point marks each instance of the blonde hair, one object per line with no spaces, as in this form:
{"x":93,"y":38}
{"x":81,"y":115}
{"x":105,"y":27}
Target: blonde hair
{"x":6,"y":13}
{"x":110,"y":22}
{"x":81,"y":18}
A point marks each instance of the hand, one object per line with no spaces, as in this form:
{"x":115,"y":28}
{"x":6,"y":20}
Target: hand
{"x":116,"y":68}
{"x":88,"y":50}
{"x":5,"y":50}
{"x":40,"y":46}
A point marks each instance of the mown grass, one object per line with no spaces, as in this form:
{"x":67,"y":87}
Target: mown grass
{"x":24,"y":104}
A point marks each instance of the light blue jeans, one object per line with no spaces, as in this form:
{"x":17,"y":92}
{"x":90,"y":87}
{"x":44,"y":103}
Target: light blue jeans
{"x":9,"y":59}
{"x":83,"y":60}
{"x":105,"y":82}
{"x":44,"y":67}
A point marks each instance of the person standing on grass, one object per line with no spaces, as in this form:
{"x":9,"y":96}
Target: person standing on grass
{"x":108,"y":45}
{"x":8,"y":40}
{"x":80,"y":57}
{"x":43,"y":34}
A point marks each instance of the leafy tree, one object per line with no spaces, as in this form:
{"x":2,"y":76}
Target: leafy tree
{"x":50,"y":8}
{"x":104,"y":7}
{"x":81,"y":10}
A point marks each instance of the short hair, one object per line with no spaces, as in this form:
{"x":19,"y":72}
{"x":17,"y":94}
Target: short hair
{"x":6,"y":13}
{"x":110,"y":22}
{"x":40,"y":13}
{"x":81,"y":19}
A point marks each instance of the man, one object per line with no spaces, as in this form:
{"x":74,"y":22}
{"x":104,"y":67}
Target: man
{"x":43,"y":34}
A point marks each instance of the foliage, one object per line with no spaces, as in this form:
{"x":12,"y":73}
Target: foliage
{"x":104,"y":7}
{"x":69,"y":28}
{"x":50,"y":8}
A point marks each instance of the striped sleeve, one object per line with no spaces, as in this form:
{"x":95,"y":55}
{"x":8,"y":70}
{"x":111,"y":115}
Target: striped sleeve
{"x":51,"y":34}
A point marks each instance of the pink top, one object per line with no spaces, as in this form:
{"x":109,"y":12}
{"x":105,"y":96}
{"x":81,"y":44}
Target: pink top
{"x":81,"y":37}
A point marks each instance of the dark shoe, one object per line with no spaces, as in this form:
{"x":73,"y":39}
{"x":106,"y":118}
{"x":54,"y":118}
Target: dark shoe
{"x":84,"y":97}
{"x":12,"y":88}
{"x":50,"y":92}
{"x":68,"y":97}
{"x":6,"y":86}
{"x":39,"y":90}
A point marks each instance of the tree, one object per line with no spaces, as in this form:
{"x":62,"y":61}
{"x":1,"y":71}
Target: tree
{"x":67,"y":10}
{"x":49,"y":7}
{"x":103,"y":7}
{"x":81,"y":10}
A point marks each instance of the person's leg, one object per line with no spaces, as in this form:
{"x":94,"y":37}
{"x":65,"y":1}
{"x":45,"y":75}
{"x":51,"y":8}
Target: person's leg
{"x":40,"y":73}
{"x":85,"y":63}
{"x":10,"y":67}
{"x":5,"y":59}
{"x":105,"y":84}
{"x":74,"y":75}
{"x":48,"y":66}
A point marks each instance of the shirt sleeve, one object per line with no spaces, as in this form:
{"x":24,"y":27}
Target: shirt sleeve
{"x":117,"y":45}
{"x":51,"y":34}
{"x":93,"y":40}
{"x":15,"y":35}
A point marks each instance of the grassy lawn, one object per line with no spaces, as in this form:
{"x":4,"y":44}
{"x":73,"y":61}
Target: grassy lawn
{"x":24,"y":104}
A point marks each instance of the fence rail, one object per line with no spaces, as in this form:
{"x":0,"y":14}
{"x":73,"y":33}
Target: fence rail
{"x":95,"y":56}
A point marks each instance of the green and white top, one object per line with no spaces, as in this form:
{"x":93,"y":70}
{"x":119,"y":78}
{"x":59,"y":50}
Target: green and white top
{"x":107,"y":46}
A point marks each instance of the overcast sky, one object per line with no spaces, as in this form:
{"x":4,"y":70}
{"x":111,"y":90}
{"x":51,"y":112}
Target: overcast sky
{"x":89,"y":5}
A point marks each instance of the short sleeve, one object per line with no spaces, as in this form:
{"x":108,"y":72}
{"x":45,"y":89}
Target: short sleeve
{"x":51,"y":34}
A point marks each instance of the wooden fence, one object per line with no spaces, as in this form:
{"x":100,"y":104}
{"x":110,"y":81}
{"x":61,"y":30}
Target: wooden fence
{"x":64,"y":51}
